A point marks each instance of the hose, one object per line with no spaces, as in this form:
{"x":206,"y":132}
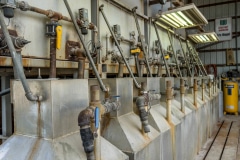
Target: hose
{"x":16,"y":62}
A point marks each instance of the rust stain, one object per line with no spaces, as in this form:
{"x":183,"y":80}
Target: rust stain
{"x":36,"y":146}
{"x":105,"y":122}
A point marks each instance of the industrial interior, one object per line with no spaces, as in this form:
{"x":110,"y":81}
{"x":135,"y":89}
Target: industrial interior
{"x":119,"y":80}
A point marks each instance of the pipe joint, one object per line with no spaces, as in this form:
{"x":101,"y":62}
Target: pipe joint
{"x":140,"y":103}
{"x":23,"y":5}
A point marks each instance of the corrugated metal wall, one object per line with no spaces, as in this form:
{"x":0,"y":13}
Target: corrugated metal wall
{"x":219,"y":11}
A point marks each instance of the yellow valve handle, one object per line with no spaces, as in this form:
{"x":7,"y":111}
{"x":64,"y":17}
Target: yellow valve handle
{"x":59,"y":37}
{"x":137,"y":50}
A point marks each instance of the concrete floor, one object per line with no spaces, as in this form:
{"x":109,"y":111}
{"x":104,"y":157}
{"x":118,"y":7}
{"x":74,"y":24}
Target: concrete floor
{"x":224,"y":143}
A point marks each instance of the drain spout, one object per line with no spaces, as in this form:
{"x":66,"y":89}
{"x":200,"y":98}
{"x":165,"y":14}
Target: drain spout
{"x":140,"y":102}
{"x":84,"y":121}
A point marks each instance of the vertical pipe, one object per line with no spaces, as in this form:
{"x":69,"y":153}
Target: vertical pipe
{"x":53,"y":51}
{"x":185,"y":56}
{"x":174,"y":54}
{"x":120,"y":70}
{"x":209,"y":86}
{"x":137,"y":64}
{"x":95,"y":100}
{"x":141,"y":40}
{"x":236,"y":39}
{"x":182,"y":92}
{"x":203,"y":88}
{"x":141,"y":68}
{"x":16,"y":62}
{"x":118,"y":46}
{"x":195,"y":89}
{"x":85,"y":47}
{"x":159,"y":72}
{"x":168,"y":100}
{"x":81,"y":68}
{"x":161,"y":50}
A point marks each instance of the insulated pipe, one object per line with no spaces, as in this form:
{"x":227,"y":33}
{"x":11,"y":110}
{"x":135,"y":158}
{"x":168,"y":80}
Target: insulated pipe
{"x":118,"y":46}
{"x":182,"y":92}
{"x":53,"y":52}
{"x":203,"y":88}
{"x":161,"y":50}
{"x":84,"y":121}
{"x":174,"y":54}
{"x":85,"y":47}
{"x":81,"y":68}
{"x":141,"y":40}
{"x":4,"y":92}
{"x":186,"y":58}
{"x":168,"y":100}
{"x":17,"y":63}
{"x":195,"y":89}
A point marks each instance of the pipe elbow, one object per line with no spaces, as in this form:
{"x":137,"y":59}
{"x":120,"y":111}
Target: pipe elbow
{"x":31,"y":97}
{"x":140,"y":103}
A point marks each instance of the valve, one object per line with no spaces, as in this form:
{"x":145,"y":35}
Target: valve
{"x":8,"y":7}
{"x":54,"y":29}
{"x":84,"y":22}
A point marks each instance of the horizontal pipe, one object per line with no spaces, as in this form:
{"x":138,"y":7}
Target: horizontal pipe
{"x":24,"y":6}
{"x":4,"y":92}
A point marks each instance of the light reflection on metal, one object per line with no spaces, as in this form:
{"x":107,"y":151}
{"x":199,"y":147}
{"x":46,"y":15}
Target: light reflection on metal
{"x":205,"y":37}
{"x":183,"y":17}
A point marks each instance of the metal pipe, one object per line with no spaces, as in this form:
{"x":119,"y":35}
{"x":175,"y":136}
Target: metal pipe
{"x":174,"y":54}
{"x":236,"y":27}
{"x":168,"y":100}
{"x":4,"y":92}
{"x":17,"y":63}
{"x":81,"y":68}
{"x":209,"y":86}
{"x":141,"y":40}
{"x":182,"y":94}
{"x":137,"y":64}
{"x":195,"y":89}
{"x":85,"y":47}
{"x":53,"y":52}
{"x":141,"y":68}
{"x":185,"y":56}
{"x":190,"y":53}
{"x":161,"y":50}
{"x":120,"y":70}
{"x":159,"y":72}
{"x":84,"y":121}
{"x":203,"y":68}
{"x":203,"y":88}
{"x":24,"y":6}
{"x":118,"y":46}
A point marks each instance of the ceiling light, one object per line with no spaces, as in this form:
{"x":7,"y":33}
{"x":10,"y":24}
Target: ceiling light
{"x":204,"y":37}
{"x":183,"y":17}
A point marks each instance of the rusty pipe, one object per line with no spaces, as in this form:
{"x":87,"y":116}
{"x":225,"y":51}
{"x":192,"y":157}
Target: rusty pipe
{"x":120,"y":70}
{"x":195,"y":89}
{"x":53,"y":52}
{"x":168,"y":100}
{"x":209,"y":87}
{"x":182,"y":94}
{"x":81,"y":68}
{"x":203,"y":88}
{"x":84,"y":121}
{"x":159,"y":72}
{"x":24,"y":6}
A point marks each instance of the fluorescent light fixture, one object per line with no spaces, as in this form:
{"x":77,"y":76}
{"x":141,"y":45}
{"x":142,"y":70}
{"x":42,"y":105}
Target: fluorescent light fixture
{"x":183,"y":17}
{"x":205,"y":37}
